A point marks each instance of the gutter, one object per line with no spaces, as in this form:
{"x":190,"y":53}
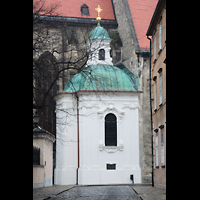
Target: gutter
{"x":77,"y":137}
{"x":155,"y":15}
{"x":152,"y":174}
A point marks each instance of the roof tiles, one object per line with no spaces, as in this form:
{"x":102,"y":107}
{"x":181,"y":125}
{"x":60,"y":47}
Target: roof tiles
{"x":68,"y":8}
{"x":142,"y":12}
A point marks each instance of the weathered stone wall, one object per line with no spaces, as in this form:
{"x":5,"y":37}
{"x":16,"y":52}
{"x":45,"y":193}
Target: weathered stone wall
{"x":138,"y":63}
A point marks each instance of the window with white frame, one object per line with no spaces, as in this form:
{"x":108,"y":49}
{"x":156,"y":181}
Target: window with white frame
{"x":155,"y":47}
{"x":157,"y":151}
{"x":160,"y":36}
{"x":155,"y":95}
{"x":162,"y":149}
{"x":110,"y":130}
{"x":160,"y":80}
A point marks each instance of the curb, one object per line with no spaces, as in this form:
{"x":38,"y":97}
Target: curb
{"x":136,"y":184}
{"x":132,"y":185}
{"x":59,"y":193}
{"x":137,"y":194}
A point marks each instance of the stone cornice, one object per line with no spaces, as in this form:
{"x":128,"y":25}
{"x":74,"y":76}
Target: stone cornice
{"x":44,"y":135}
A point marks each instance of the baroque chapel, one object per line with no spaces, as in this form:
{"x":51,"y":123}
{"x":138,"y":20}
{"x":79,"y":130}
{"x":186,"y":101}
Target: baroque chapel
{"x":60,"y":36}
{"x":99,"y":141}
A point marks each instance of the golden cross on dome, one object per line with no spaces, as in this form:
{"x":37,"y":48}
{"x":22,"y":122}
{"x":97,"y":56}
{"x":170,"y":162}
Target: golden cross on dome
{"x":98,"y":9}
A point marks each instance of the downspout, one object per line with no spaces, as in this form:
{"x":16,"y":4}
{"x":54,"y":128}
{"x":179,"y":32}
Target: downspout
{"x":77,"y":136}
{"x":152,"y":174}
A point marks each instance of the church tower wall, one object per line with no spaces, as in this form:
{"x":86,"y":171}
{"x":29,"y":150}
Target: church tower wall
{"x":137,"y":61}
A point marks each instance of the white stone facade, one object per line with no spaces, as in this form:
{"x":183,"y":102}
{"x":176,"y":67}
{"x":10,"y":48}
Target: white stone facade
{"x":94,"y":46}
{"x":93,"y":154}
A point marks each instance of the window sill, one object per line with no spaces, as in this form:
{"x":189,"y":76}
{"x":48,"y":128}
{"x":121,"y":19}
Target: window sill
{"x":161,"y":126}
{"x":111,"y":149}
{"x":156,"y":130}
{"x":157,"y":166}
{"x":159,"y":51}
{"x":163,"y":166}
{"x":38,"y":165}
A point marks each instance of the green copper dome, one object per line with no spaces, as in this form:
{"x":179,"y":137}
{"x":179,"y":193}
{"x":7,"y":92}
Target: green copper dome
{"x":103,"y":77}
{"x":99,"y":33}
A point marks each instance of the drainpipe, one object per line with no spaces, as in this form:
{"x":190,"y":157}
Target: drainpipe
{"x":152,"y":174}
{"x":77,"y":136}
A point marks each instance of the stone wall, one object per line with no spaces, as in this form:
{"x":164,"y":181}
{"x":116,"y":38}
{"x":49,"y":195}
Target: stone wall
{"x":138,"y":63}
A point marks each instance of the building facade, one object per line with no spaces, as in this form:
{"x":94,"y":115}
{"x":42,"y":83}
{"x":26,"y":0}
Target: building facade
{"x":103,"y":127}
{"x":43,"y":168}
{"x":157,"y":30}
{"x":64,"y":33}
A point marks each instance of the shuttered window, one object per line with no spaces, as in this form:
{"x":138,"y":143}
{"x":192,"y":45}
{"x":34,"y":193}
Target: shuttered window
{"x":160,"y":88}
{"x":111,"y":166}
{"x":160,"y":36}
{"x":110,"y":130}
{"x":101,"y":54}
{"x":157,"y":151}
{"x":155,"y":96}
{"x":155,"y":47}
{"x":162,"y":149}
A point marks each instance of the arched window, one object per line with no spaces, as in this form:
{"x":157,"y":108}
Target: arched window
{"x":110,"y":130}
{"x":84,"y":10}
{"x":101,"y":54}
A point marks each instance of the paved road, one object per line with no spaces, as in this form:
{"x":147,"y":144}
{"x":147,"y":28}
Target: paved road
{"x":98,"y":193}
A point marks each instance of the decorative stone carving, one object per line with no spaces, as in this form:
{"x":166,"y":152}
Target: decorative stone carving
{"x":111,"y":149}
{"x":111,"y":109}
{"x":131,"y":106}
{"x":88,"y":105}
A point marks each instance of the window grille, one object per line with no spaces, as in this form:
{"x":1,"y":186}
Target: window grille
{"x":162,"y":149}
{"x":155,"y":47}
{"x":155,"y":96}
{"x":101,"y":54}
{"x":157,"y":151}
{"x":160,"y":36}
{"x":160,"y":89}
{"x":110,"y":130}
{"x":36,"y":156}
{"x":111,"y":166}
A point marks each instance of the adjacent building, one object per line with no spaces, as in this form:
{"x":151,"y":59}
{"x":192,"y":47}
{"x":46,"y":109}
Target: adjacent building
{"x":157,"y":31}
{"x":42,"y":158}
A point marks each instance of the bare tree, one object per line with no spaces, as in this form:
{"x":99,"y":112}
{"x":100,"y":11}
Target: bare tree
{"x":57,"y":49}
{"x":54,"y":49}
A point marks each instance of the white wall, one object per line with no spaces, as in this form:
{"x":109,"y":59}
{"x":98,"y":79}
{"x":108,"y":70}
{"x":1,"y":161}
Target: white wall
{"x":94,"y":155}
{"x":94,"y":47}
{"x":66,"y":140}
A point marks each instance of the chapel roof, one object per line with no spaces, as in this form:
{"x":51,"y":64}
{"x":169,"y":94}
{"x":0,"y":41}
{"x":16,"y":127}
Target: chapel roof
{"x":102,"y":78}
{"x":99,"y":33}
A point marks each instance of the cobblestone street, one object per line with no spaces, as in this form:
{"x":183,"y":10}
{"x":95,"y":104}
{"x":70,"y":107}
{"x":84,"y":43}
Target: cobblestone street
{"x":99,"y":193}
{"x":104,"y":192}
